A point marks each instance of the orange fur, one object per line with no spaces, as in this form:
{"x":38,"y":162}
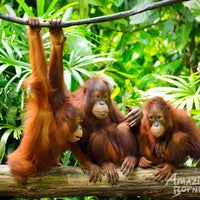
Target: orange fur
{"x":46,"y":134}
{"x":180,"y":139}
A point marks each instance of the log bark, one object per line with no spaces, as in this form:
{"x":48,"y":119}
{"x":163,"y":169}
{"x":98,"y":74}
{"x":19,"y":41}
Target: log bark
{"x":70,"y":181}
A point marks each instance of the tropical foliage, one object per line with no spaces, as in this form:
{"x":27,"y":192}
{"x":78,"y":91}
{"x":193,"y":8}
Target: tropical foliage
{"x":152,"y":53}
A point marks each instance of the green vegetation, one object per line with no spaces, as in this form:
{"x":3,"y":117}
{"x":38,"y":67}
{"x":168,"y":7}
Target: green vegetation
{"x":152,"y":53}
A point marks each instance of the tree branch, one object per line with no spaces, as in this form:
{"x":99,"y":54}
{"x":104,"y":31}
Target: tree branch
{"x":100,"y":19}
{"x":70,"y":181}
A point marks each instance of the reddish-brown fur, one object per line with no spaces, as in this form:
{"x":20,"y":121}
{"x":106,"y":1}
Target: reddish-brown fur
{"x":51,"y":115}
{"x":108,"y":141}
{"x":181,"y":138}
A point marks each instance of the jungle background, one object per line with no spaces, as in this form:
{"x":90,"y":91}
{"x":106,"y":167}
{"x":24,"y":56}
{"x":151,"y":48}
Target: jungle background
{"x":155,"y":53}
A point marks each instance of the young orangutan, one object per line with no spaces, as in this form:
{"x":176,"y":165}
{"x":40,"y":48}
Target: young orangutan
{"x":52,"y":119}
{"x":107,"y":139}
{"x":167,"y":136}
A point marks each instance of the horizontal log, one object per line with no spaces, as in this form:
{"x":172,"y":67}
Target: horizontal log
{"x":70,"y":181}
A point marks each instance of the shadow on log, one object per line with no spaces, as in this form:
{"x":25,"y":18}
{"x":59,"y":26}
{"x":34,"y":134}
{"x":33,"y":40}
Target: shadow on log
{"x":70,"y":181}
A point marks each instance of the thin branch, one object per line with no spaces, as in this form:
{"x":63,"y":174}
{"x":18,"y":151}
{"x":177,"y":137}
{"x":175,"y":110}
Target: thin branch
{"x":135,"y":30}
{"x":100,"y":19}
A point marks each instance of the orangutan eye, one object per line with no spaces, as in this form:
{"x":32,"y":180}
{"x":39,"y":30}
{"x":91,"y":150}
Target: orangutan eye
{"x":105,"y":96}
{"x":159,"y":117}
{"x":151,"y":118}
{"x":78,"y":123}
{"x":64,"y":118}
{"x":97,"y":95}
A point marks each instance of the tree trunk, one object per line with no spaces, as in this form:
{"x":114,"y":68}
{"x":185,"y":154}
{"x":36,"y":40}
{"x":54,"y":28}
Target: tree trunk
{"x":70,"y":181}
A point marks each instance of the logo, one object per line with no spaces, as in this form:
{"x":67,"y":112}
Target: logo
{"x":184,"y":185}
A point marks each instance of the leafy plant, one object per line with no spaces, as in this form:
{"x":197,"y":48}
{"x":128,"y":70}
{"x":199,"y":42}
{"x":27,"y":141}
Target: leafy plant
{"x":77,"y":68}
{"x":184,"y":92}
{"x":11,"y":123}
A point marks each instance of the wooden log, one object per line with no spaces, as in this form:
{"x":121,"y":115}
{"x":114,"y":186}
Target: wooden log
{"x":70,"y":181}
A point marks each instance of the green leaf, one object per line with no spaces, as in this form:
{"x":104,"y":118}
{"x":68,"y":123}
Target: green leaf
{"x":10,"y":81}
{"x":188,"y":15}
{"x":167,"y":27}
{"x":83,"y":71}
{"x":50,"y":8}
{"x":18,"y":132}
{"x":183,"y":35}
{"x":181,"y":80}
{"x":197,"y":102}
{"x":3,"y":52}
{"x":145,"y":37}
{"x":175,"y":83}
{"x":3,"y":142}
{"x":61,"y":10}
{"x":21,"y":81}
{"x":25,"y":7}
{"x":22,"y":99}
{"x":3,"y":105}
{"x":67,"y":15}
{"x":147,"y":17}
{"x":115,"y":93}
{"x":117,"y":75}
{"x":11,"y":115}
{"x":40,"y":7}
{"x":10,"y":10}
{"x":8,"y":49}
{"x":94,"y":58}
{"x":189,"y":103}
{"x":194,"y":6}
{"x":18,"y":71}
{"x":66,"y":158}
{"x":120,"y":74}
{"x":77,"y":61}
{"x":79,"y":44}
{"x":97,"y":2}
{"x":77,"y":76}
{"x":3,"y":67}
{"x":195,"y":112}
{"x":174,"y":65}
{"x":67,"y":79}
{"x":118,"y":2}
{"x":18,"y":63}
